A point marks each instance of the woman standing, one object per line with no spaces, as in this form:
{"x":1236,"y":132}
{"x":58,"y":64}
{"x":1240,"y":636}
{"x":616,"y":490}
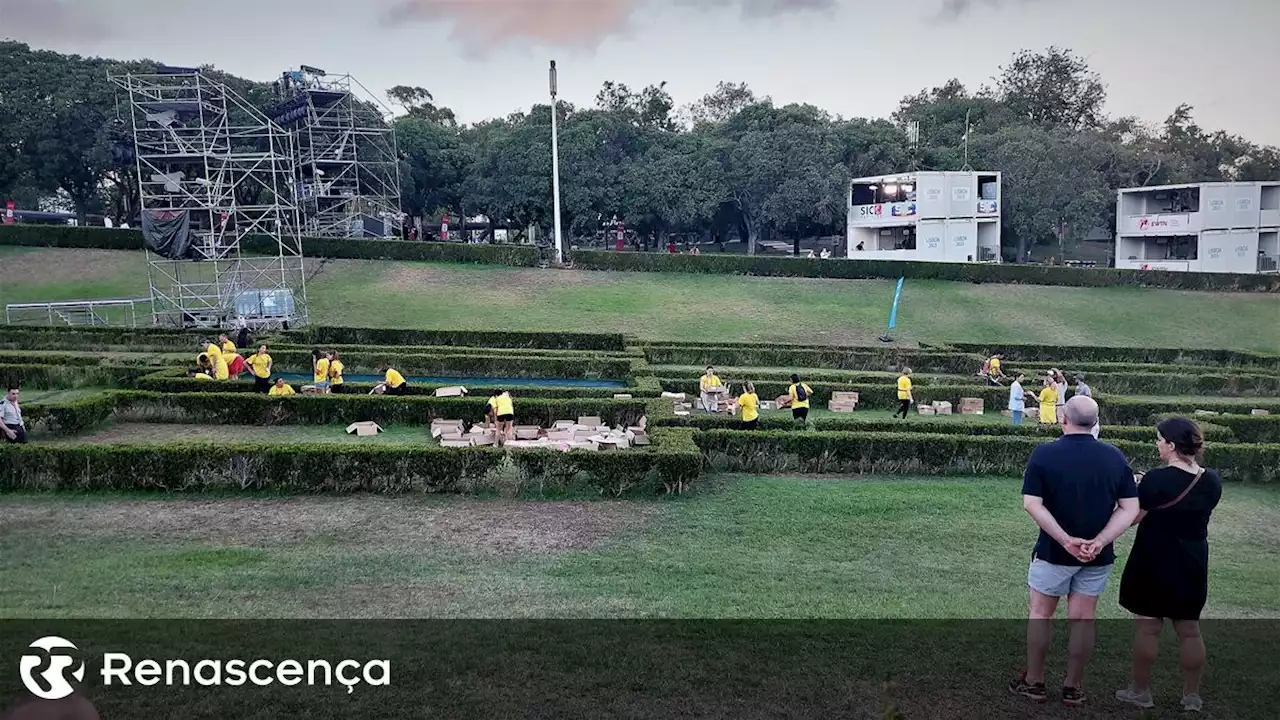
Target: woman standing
{"x":750,"y":404}
{"x":1167,"y":574}
{"x":335,"y":372}
{"x":320,"y":370}
{"x":1048,"y":402}
{"x":260,"y":366}
{"x":1060,"y":394}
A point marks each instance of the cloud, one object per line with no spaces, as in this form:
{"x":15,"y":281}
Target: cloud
{"x":42,"y":21}
{"x":483,"y":24}
{"x":956,"y":9}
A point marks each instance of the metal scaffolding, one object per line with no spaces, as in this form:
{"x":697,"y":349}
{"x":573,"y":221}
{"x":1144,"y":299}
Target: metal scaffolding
{"x":210,"y":162}
{"x":348,"y":163}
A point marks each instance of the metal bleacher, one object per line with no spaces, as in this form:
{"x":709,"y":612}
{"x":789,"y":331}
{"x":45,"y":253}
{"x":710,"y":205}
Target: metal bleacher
{"x":116,"y":313}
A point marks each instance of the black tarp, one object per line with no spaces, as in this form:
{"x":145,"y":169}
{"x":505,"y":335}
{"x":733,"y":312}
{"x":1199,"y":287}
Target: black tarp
{"x":167,"y":233}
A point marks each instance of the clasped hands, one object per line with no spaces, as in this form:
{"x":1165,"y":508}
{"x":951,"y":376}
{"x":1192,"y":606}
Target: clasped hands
{"x":1084,"y":550}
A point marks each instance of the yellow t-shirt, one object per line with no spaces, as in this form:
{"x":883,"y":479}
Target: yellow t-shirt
{"x":394,"y":378}
{"x":213,"y":350}
{"x":229,"y":348}
{"x":322,"y":370}
{"x":335,"y":372}
{"x":281,"y":390}
{"x":202,"y":376}
{"x":995,"y":365}
{"x":796,"y":402}
{"x":260,"y":365}
{"x":220,"y":370}
{"x":750,"y":404}
{"x":1048,"y":401}
{"x":904,"y":387}
{"x":709,"y":381}
{"x":502,"y":405}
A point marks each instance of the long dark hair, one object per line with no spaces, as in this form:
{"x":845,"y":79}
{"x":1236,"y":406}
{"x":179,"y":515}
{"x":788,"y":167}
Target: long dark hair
{"x":1185,"y":436}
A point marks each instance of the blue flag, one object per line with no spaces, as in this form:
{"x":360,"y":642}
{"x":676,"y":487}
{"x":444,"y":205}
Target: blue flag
{"x":893,"y":314}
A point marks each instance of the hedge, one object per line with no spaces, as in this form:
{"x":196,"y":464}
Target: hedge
{"x":257,"y":409}
{"x":931,"y":426}
{"x":829,"y":358}
{"x":672,"y":463}
{"x":1062,"y":354}
{"x":1136,"y":411}
{"x":71,"y":418}
{"x":880,"y":396}
{"x":175,"y":383}
{"x":477,"y":363}
{"x":100,"y":339}
{"x":886,"y":453}
{"x":1246,"y":428}
{"x":65,"y":236}
{"x":775,"y":266}
{"x":322,"y":335}
{"x":65,"y":377}
{"x":276,"y":345}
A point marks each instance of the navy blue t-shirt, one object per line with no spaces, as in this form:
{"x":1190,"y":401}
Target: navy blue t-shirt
{"x":1080,"y":480}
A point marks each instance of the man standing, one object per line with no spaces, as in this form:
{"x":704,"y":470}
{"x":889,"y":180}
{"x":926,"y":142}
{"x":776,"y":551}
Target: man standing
{"x":1083,"y":390}
{"x":905,"y":397}
{"x":11,"y":417}
{"x":1017,"y":399}
{"x":1082,"y":494}
{"x":709,"y":387}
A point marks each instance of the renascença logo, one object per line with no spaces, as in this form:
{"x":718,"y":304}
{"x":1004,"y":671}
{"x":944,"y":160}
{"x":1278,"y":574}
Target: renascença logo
{"x":50,"y":683}
{"x":120,"y":669}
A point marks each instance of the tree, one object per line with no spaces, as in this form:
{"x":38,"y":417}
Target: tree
{"x":1052,"y":88}
{"x":728,"y":100}
{"x":418,"y":102}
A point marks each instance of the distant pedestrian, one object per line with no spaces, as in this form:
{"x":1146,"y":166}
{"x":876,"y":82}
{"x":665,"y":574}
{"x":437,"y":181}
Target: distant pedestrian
{"x":15,"y":430}
{"x":1048,"y":402}
{"x":800,"y":394}
{"x":709,"y":387}
{"x":1017,"y":399}
{"x":1167,"y":573}
{"x":1082,"y":495}
{"x":1083,"y":390}
{"x":1060,"y":390}
{"x":905,"y":395}
{"x":750,"y":404}
{"x":242,"y":332}
{"x":260,"y":367}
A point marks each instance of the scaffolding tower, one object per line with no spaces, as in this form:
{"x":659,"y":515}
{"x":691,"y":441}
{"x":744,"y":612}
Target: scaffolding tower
{"x":348,"y":181}
{"x":213,"y":165}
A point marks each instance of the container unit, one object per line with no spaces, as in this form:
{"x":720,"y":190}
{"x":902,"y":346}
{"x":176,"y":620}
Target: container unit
{"x":926,"y":217}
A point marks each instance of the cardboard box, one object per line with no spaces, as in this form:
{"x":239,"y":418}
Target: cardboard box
{"x":925,"y":410}
{"x":673,"y":396}
{"x":445,"y":427}
{"x":942,"y":407}
{"x":560,"y":436}
{"x":484,"y":440}
{"x":1207,"y":413}
{"x":841,"y":408}
{"x":641,"y":440}
{"x":782,"y":401}
{"x":1260,"y":412}
{"x":768,"y":405}
{"x":451,"y":392}
{"x":622,"y":396}
{"x":528,"y":432}
{"x":844,"y":398}
{"x":363,"y":429}
{"x":971,"y":406}
{"x":590,"y":421}
{"x":682,"y":413}
{"x":561,"y":424}
{"x":455,"y":443}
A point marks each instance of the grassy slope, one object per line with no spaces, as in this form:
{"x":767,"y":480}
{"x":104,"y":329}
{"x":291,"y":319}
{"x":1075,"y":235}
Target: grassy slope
{"x":691,"y":307}
{"x":752,"y":547}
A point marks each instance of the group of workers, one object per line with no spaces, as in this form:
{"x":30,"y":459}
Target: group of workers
{"x":221,"y":361}
{"x":710,"y":388}
{"x":1051,"y":400}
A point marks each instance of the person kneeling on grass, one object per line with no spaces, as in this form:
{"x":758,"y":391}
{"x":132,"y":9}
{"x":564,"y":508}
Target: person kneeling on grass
{"x":800,"y":395}
{"x":750,"y":404}
{"x":281,"y":388}
{"x":15,"y":431}
{"x":393,"y":383}
{"x":502,"y":409}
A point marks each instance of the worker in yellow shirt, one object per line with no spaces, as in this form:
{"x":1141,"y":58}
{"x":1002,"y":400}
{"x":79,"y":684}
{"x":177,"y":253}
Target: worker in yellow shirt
{"x":800,"y":394}
{"x":709,"y":387}
{"x":905,"y":395}
{"x":502,"y":409}
{"x":320,"y":370}
{"x":750,"y":404}
{"x":1048,"y":402}
{"x":281,"y":389}
{"x":260,"y":367}
{"x":226,"y":346}
{"x":211,"y":350}
{"x":393,"y":383}
{"x":335,"y":372}
{"x":221,"y":371}
{"x":994,"y":373}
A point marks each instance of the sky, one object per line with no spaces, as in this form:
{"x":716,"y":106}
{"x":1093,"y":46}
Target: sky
{"x":855,"y":58}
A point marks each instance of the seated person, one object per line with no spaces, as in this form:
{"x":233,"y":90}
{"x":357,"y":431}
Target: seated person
{"x":281,"y":388}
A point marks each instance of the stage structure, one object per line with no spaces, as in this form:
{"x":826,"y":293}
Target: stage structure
{"x":214,"y":172}
{"x":348,"y":183}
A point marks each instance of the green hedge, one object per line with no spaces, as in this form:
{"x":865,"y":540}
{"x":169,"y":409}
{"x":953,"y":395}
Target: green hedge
{"x":922,"y":454}
{"x":66,"y":377}
{"x":1132,"y":411}
{"x":802,"y":358}
{"x":276,"y":345}
{"x":65,"y":236}
{"x":175,"y":383}
{"x":672,"y":463}
{"x":71,"y":418}
{"x":14,"y":337}
{"x":775,"y":266}
{"x":1246,"y":428}
{"x":321,"y":335}
{"x":256,"y":409}
{"x":1062,"y":354}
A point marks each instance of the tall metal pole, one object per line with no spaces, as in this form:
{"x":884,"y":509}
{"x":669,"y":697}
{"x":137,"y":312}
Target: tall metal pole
{"x":555,"y":165}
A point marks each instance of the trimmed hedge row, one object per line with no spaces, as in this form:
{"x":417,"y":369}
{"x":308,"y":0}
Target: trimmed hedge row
{"x":1246,"y":428}
{"x":65,"y":236}
{"x":1129,"y":411}
{"x":478,"y":363}
{"x":174,"y":383}
{"x":672,"y":463}
{"x":15,"y":337}
{"x":779,"y":452}
{"x":278,"y":345}
{"x":71,"y":418}
{"x":256,"y":409}
{"x":775,"y":266}
{"x":701,"y":421}
{"x":328,"y":335}
{"x":65,"y":377}
{"x":1060,"y":354}
{"x":830,"y":358}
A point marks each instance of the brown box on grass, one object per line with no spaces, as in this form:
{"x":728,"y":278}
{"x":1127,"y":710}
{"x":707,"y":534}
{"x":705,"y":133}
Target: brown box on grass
{"x":926,"y":410}
{"x":941,"y":407}
{"x":971,"y":406}
{"x":590,"y":421}
{"x":622,"y":396}
{"x":560,"y":436}
{"x":782,"y":401}
{"x":845,"y":397}
{"x":363,"y":429}
{"x":484,"y":440}
{"x":673,"y":396}
{"x":1258,"y":411}
{"x":528,"y":432}
{"x":455,"y":443}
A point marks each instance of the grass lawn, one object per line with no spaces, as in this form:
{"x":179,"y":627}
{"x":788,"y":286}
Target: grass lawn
{"x":707,"y":307}
{"x":745,"y":547}
{"x":57,"y":396}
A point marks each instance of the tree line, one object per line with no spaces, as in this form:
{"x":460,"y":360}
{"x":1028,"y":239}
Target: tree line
{"x":732,"y":164}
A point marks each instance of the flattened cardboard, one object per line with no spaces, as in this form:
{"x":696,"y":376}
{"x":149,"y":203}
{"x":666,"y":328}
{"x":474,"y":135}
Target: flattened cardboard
{"x":673,"y":396}
{"x":451,"y":392}
{"x":590,"y":421}
{"x":363,"y":429}
{"x":622,"y":396}
{"x":455,"y":443}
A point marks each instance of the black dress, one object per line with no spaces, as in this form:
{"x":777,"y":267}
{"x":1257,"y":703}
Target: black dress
{"x":1167,"y":573}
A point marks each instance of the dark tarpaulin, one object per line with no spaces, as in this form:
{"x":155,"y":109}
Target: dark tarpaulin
{"x":167,"y":233}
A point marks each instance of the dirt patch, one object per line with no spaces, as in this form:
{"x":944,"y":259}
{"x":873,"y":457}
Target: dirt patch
{"x":53,"y":266}
{"x":484,"y":527}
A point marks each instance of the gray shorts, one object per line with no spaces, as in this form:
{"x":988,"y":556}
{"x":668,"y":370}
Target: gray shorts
{"x":1062,"y":580}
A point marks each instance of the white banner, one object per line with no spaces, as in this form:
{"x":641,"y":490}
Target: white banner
{"x":885,"y":210}
{"x":1151,"y":223}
